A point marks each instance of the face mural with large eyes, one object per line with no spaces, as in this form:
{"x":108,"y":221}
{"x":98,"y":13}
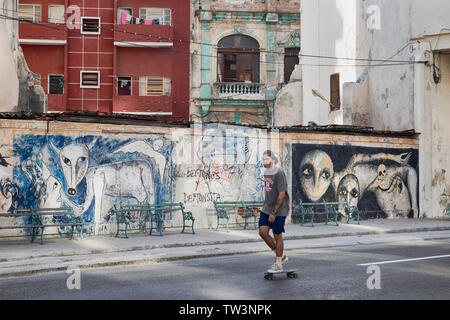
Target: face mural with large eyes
{"x":348,"y":190}
{"x":315,"y":172}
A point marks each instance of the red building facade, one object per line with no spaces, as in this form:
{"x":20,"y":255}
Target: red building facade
{"x":110,"y":56}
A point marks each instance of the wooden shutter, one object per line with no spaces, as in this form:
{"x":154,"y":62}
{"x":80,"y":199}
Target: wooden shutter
{"x":155,"y":86}
{"x":335,"y":96}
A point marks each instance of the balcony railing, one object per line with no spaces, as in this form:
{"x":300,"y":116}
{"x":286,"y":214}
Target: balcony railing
{"x":239,"y":90}
{"x":139,"y":34}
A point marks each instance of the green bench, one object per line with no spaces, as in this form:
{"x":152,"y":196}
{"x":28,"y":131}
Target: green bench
{"x":126,"y":214}
{"x":309,"y":209}
{"x":248,"y":210}
{"x":36,"y":222}
{"x":152,"y":213}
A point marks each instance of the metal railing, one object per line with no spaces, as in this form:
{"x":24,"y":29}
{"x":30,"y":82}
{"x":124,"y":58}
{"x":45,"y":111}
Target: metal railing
{"x":238,"y":88}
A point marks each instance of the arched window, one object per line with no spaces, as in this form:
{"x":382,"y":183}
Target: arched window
{"x":238,"y":59}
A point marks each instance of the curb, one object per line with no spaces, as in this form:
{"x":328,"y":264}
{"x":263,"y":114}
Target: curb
{"x":220,"y":242}
{"x":124,"y":261}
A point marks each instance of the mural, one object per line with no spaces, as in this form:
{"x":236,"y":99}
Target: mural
{"x":8,"y":191}
{"x":90,"y":174}
{"x":381,"y":184}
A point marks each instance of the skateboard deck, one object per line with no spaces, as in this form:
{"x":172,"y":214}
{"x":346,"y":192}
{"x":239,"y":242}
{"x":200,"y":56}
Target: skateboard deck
{"x":290,"y":273}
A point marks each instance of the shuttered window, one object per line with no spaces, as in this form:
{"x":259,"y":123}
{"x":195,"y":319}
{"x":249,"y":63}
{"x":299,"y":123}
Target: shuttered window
{"x":335,"y":96}
{"x":90,"y":79}
{"x":90,"y":25}
{"x":154,"y":86}
{"x":30,"y":12}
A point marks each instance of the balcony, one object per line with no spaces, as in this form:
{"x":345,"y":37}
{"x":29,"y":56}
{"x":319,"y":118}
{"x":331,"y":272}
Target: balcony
{"x":239,"y":91}
{"x":42,"y":33}
{"x":140,"y":35}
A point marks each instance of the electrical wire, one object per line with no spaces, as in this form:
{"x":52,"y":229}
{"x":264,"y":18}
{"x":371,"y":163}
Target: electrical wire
{"x":213,"y":45}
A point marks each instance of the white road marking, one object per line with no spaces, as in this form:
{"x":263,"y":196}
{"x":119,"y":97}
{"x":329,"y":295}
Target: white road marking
{"x":404,"y":260}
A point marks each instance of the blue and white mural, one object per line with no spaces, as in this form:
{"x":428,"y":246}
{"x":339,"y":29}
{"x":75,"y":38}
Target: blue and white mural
{"x":91,"y":173}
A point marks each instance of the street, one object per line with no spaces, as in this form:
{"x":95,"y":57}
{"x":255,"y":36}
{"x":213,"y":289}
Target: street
{"x":328,"y":273}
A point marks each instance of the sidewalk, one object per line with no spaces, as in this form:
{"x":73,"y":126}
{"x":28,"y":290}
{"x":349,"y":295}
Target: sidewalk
{"x":19,"y":258}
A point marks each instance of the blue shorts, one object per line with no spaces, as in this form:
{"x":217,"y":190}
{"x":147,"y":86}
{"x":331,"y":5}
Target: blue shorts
{"x":277,"y":226}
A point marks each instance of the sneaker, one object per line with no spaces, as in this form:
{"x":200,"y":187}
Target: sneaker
{"x":284,"y":259}
{"x":275,"y":268}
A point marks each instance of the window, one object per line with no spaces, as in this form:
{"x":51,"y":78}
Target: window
{"x":238,"y":59}
{"x":55,"y":84}
{"x":30,"y":12}
{"x":154,"y":86}
{"x":124,"y":16}
{"x":90,"y":79}
{"x":334,"y":92}
{"x":124,"y":86}
{"x":290,"y":60}
{"x":56,"y":14}
{"x":155,"y":16}
{"x":90,"y":25}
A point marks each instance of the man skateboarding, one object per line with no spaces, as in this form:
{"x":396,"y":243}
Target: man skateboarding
{"x":275,"y":209}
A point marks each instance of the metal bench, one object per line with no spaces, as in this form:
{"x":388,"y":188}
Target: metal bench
{"x":36,"y":222}
{"x":251,"y":209}
{"x":152,"y":213}
{"x":329,"y":208}
{"x":352,"y":211}
{"x":248,"y":209}
{"x":126,"y":214}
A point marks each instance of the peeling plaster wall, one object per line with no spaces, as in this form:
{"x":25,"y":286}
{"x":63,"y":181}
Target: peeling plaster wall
{"x":9,"y":83}
{"x":440,"y":154}
{"x":287,"y":108}
{"x":19,"y":87}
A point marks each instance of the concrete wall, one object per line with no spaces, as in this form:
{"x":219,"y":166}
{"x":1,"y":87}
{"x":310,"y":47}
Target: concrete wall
{"x":91,"y":167}
{"x":375,"y":29}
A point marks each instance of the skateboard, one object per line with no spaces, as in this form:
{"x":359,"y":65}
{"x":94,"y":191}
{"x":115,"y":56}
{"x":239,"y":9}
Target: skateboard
{"x":291,"y":273}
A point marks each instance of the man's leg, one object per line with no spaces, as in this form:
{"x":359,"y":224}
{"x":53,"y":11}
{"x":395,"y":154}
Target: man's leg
{"x":264,"y":234}
{"x":279,"y":244}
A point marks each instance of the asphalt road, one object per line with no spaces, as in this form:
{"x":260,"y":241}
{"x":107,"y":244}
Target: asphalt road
{"x":333,"y":273}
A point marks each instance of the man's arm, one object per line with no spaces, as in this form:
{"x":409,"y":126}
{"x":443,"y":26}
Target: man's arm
{"x":281,"y":196}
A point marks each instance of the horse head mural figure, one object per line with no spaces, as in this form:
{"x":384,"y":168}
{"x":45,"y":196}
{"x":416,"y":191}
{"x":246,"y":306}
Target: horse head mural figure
{"x":129,"y":178}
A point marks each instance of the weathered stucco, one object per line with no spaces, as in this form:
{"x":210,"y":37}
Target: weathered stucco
{"x":51,"y":164}
{"x":273,"y":24}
